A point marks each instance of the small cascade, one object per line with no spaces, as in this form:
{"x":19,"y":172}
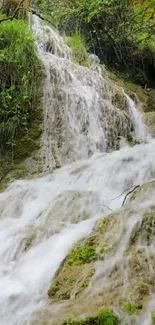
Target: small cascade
{"x":140,"y":130}
{"x":46,"y":216}
{"x":84,"y":113}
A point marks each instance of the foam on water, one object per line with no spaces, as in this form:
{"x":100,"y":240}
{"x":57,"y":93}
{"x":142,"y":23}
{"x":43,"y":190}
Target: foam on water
{"x":55,"y":211}
{"x":46,"y":206}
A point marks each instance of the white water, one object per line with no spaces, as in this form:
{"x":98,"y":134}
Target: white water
{"x":141,"y":132}
{"x":58,"y":203}
{"x":82,"y":113}
{"x":62,"y":207}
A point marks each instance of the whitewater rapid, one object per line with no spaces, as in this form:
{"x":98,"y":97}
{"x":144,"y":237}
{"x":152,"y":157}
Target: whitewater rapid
{"x":58,"y":209}
{"x":41,"y":219}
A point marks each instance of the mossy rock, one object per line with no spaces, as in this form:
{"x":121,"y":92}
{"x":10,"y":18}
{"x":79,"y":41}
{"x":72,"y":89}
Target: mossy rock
{"x":111,"y":275}
{"x":76,"y":271}
{"x":131,"y":308}
{"x":153,"y":317}
{"x":150,"y":122}
{"x":141,"y":192}
{"x":103,"y":317}
{"x":70,"y":281}
{"x":29,"y":239}
{"x":82,"y":255}
{"x":136,"y":92}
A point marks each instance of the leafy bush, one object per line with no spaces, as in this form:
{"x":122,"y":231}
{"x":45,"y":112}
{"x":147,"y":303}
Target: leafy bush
{"x":20,"y":75}
{"x":120,"y":32}
{"x":79,"y":50}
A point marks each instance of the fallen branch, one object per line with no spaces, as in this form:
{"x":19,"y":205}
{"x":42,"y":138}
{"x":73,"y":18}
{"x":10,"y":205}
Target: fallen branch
{"x":106,"y":207}
{"x":130,"y":193}
{"x":34,"y":12}
{"x":122,"y":193}
{"x":135,"y":189}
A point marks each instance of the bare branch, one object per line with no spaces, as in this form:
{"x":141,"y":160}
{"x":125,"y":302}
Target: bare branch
{"x":122,"y":193}
{"x":2,"y":5}
{"x":130,"y":193}
{"x":106,"y":207}
{"x":14,"y":14}
{"x":135,"y":189}
{"x":34,"y":12}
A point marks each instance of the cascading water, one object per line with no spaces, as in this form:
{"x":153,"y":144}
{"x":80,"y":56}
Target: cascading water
{"x":84,"y":112}
{"x":41,"y":219}
{"x":140,"y":128}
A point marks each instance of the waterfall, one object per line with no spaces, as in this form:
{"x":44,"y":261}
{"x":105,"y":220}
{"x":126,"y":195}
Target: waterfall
{"x":84,"y":112}
{"x":141,"y":132}
{"x":41,"y":219}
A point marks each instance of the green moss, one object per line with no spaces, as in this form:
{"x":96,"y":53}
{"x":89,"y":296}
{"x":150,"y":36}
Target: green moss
{"x":103,"y":317}
{"x":70,"y":280}
{"x":144,"y":189}
{"x":29,"y":240}
{"x":85,"y":284}
{"x":53,"y":289}
{"x":130,"y":140}
{"x":145,"y":229}
{"x":82,"y":255}
{"x":153,"y":317}
{"x":102,"y":225}
{"x":104,"y":249}
{"x":108,"y":223}
{"x":140,"y":290}
{"x":130,"y":308}
{"x":150,"y":122}
{"x":107,"y":317}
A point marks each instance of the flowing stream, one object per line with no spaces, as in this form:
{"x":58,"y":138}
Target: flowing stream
{"x":41,"y":219}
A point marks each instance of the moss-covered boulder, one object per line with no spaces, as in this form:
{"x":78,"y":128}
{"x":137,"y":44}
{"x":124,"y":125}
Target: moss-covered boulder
{"x":75,"y":274}
{"x":150,"y":122}
{"x":114,"y":266}
{"x":103,"y":317}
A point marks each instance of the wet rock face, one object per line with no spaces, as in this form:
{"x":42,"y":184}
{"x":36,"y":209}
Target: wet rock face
{"x":150,"y":122}
{"x":83,"y":115}
{"x":115,"y":265}
{"x":85,"y":112}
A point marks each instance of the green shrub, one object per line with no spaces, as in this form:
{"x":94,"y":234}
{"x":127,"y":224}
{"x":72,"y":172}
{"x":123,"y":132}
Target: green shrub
{"x":79,"y":50}
{"x":20,"y":76}
{"x":121,"y":33}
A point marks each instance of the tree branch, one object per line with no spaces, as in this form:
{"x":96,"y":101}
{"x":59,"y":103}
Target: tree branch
{"x":122,"y":193}
{"x":132,"y":188}
{"x":34,"y":12}
{"x":14,"y":14}
{"x":2,"y":5}
{"x":106,"y":207}
{"x":130,"y":193}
